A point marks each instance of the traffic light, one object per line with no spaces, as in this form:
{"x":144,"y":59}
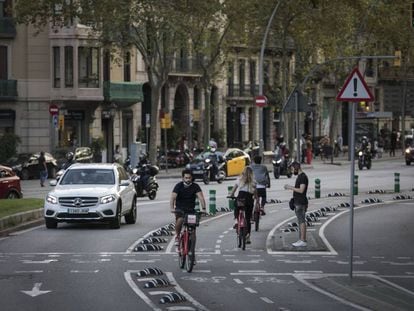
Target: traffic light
{"x":397,"y":59}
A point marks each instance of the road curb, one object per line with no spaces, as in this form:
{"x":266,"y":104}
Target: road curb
{"x":20,"y":221}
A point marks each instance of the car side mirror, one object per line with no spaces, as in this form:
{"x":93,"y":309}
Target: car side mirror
{"x":124,"y":183}
{"x":53,"y":182}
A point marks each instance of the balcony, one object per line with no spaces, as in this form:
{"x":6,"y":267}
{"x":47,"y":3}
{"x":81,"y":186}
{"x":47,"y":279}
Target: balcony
{"x":7,"y":28}
{"x":185,"y":65}
{"x":8,"y":90}
{"x":246,"y":90}
{"x":123,"y":92}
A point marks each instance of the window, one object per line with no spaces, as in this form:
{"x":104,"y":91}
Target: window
{"x":5,"y":8}
{"x":252,"y":72}
{"x":56,"y":66}
{"x":88,"y":67}
{"x":242,"y":75}
{"x":68,"y":66}
{"x":127,"y":67}
{"x":3,"y":63}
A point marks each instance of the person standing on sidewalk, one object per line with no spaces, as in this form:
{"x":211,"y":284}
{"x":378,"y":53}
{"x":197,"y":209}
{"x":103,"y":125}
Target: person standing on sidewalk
{"x":42,"y":168}
{"x":300,"y":201}
{"x":261,"y":176}
{"x":183,"y":199}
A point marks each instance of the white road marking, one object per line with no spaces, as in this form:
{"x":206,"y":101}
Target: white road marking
{"x":35,"y":290}
{"x":245,"y":261}
{"x":250,"y":290}
{"x":84,"y":271}
{"x":141,"y":261}
{"x":410,"y":263}
{"x":30,"y":271}
{"x":180,"y":308}
{"x":26,"y":261}
{"x":267,"y":300}
{"x":135,"y":288}
{"x":238,"y":281}
{"x":159,"y":292}
{"x":296,"y":261}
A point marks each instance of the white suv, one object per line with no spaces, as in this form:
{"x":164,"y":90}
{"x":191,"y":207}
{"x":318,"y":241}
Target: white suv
{"x":89,"y":193}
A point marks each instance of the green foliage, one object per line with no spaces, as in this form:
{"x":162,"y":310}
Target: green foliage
{"x":10,"y":207}
{"x":97,"y":146}
{"x":9,"y":143}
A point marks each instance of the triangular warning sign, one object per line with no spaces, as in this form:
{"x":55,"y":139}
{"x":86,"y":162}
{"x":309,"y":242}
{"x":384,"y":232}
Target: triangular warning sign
{"x":355,"y":89}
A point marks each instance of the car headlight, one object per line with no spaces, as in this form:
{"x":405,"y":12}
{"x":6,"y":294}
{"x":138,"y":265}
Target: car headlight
{"x":108,"y":199}
{"x":51,"y":199}
{"x":279,"y":161}
{"x":360,"y":153}
{"x":188,"y":166}
{"x":407,"y":150}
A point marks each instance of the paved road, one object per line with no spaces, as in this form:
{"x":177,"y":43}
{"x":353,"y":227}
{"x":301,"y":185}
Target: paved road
{"x":88,"y":267}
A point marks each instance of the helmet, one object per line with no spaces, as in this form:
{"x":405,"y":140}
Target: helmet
{"x":282,"y":144}
{"x":213,"y":149}
{"x":69,"y":156}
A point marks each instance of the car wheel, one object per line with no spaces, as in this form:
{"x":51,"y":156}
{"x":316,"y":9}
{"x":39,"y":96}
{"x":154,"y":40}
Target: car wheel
{"x":25,"y":174}
{"x":131,"y":217}
{"x":13,"y":195}
{"x":116,"y":221}
{"x":50,"y":223}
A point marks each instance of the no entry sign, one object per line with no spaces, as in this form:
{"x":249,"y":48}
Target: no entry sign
{"x":261,"y":101}
{"x":53,"y":109}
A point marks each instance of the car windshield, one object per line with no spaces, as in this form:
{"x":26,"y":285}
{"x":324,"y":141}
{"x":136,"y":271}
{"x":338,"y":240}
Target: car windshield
{"x":88,"y":177}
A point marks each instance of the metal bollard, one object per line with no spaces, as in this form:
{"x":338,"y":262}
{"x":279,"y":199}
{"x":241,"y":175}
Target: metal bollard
{"x":231,"y":202}
{"x":317,"y":188}
{"x":212,"y":202}
{"x":355,"y":184}
{"x":396,"y":182}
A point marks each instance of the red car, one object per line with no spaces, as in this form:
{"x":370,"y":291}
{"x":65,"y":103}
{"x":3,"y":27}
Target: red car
{"x":9,"y":184}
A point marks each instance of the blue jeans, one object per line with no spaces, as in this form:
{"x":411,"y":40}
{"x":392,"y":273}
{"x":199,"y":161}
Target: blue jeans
{"x":43,"y":176}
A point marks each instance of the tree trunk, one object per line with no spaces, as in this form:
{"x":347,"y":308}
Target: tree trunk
{"x":207,"y":128}
{"x":154,"y":131}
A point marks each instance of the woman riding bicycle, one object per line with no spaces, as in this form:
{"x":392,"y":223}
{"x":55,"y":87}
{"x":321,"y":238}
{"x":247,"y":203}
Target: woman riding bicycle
{"x":247,"y":194}
{"x":183,"y":199}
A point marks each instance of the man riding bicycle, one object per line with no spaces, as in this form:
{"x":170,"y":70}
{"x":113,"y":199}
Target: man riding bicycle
{"x":183,"y":198}
{"x":261,"y":176}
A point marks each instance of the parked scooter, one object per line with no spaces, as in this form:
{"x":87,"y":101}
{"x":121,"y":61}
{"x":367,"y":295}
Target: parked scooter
{"x":143,"y":177}
{"x":280,"y":163}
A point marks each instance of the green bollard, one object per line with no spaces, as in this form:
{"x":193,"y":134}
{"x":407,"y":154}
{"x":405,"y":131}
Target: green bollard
{"x":212,"y":202}
{"x":317,"y":188}
{"x":355,"y":184}
{"x":231,"y":201}
{"x":197,"y":205}
{"x":396,"y":182}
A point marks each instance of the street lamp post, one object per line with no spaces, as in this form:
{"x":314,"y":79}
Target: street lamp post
{"x":269,"y":23}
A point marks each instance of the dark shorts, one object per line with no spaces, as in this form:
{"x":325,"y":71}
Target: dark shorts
{"x":300,"y":211}
{"x":181,"y":212}
{"x":261,"y":193}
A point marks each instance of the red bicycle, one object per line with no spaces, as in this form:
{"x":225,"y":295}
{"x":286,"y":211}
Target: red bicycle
{"x":187,"y":240}
{"x":241,"y":228}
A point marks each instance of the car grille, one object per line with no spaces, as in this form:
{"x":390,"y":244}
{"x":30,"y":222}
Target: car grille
{"x":78,"y":201}
{"x":78,"y":216}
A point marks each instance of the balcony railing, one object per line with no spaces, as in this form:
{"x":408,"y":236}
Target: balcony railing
{"x":7,"y":27}
{"x":395,"y":73}
{"x":185,"y":65}
{"x":8,"y":89}
{"x":130,"y":92}
{"x":246,"y":90}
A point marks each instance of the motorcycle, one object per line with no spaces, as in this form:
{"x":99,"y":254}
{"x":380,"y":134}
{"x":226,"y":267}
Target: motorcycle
{"x":364,"y":159}
{"x":144,"y":180}
{"x":208,"y":172}
{"x":280,"y":164}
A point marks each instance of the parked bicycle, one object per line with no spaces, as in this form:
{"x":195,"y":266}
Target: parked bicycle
{"x":241,"y":227}
{"x":187,"y":240}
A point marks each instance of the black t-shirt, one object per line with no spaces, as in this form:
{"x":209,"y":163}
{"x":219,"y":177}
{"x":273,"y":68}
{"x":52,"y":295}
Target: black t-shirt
{"x":186,"y":196}
{"x":301,"y":198}
{"x":42,"y":162}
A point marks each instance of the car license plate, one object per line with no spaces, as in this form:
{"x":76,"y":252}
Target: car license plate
{"x":198,"y":172}
{"x":78,"y":210}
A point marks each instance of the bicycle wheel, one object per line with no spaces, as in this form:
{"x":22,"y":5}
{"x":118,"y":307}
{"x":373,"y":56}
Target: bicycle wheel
{"x":191,"y":252}
{"x":182,"y":251}
{"x":242,"y":238}
{"x":256,"y":218}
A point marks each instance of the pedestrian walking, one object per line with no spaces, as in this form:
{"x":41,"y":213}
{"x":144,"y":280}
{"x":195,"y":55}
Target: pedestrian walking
{"x":393,"y":142}
{"x":309,"y":154}
{"x":300,"y":201}
{"x":261,"y":176}
{"x":42,"y":168}
{"x":247,"y":194}
{"x":183,"y":199}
